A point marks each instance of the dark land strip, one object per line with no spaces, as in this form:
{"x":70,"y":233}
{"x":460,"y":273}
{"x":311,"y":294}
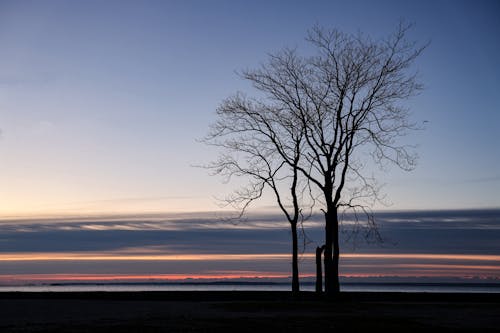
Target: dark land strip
{"x":247,"y":311}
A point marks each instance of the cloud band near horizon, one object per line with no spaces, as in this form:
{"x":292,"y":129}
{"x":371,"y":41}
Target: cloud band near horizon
{"x":452,"y":244}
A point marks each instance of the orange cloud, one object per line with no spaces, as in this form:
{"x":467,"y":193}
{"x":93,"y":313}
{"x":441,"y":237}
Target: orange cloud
{"x":119,"y":256}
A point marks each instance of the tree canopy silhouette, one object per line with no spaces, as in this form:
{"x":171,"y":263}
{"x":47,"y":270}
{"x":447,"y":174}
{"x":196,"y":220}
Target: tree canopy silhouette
{"x":318,"y":121}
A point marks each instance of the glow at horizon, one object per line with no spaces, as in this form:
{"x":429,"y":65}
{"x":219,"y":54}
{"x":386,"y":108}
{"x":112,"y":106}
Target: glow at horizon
{"x":384,"y":265}
{"x":353,"y":265}
{"x":232,"y":257}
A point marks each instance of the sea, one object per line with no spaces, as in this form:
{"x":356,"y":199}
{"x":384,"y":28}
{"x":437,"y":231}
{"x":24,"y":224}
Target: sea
{"x":348,"y":287}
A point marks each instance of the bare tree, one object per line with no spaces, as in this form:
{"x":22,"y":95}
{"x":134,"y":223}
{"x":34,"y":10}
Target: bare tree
{"x":344,"y":104}
{"x":251,"y":133}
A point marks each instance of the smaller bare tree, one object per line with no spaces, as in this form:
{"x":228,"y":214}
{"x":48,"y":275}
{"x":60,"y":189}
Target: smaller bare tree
{"x":251,"y":135}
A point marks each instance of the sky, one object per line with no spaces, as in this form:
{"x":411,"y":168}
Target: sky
{"x":102,"y":105}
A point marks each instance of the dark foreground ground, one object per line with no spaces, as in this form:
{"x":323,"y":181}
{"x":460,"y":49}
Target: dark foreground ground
{"x":247,"y":312}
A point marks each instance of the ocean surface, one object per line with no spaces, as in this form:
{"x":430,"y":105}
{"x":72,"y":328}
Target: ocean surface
{"x":361,"y":287}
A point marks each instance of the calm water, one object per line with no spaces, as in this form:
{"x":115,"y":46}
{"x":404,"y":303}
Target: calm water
{"x":366,"y":287}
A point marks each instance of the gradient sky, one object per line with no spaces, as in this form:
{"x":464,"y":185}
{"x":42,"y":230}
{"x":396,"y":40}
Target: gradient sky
{"x":101,"y":102}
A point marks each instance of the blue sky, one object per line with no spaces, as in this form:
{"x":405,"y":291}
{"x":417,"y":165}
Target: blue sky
{"x":101,"y":103}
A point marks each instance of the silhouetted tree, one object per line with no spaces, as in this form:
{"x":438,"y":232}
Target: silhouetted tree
{"x":244,"y":129}
{"x":343,"y":103}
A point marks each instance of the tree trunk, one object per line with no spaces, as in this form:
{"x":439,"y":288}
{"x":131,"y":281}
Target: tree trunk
{"x":295,"y":260}
{"x":332,"y":251}
{"x":329,"y":271}
{"x":319,"y":270}
{"x":336,"y":254}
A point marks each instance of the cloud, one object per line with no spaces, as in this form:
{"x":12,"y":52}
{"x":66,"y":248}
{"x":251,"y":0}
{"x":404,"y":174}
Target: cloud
{"x":474,"y":231}
{"x":444,"y":243}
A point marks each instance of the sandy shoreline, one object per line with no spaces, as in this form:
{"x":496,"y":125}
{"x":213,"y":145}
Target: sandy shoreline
{"x":246,"y":312}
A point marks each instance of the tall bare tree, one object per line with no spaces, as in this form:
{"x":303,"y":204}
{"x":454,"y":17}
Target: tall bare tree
{"x":343,"y":103}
